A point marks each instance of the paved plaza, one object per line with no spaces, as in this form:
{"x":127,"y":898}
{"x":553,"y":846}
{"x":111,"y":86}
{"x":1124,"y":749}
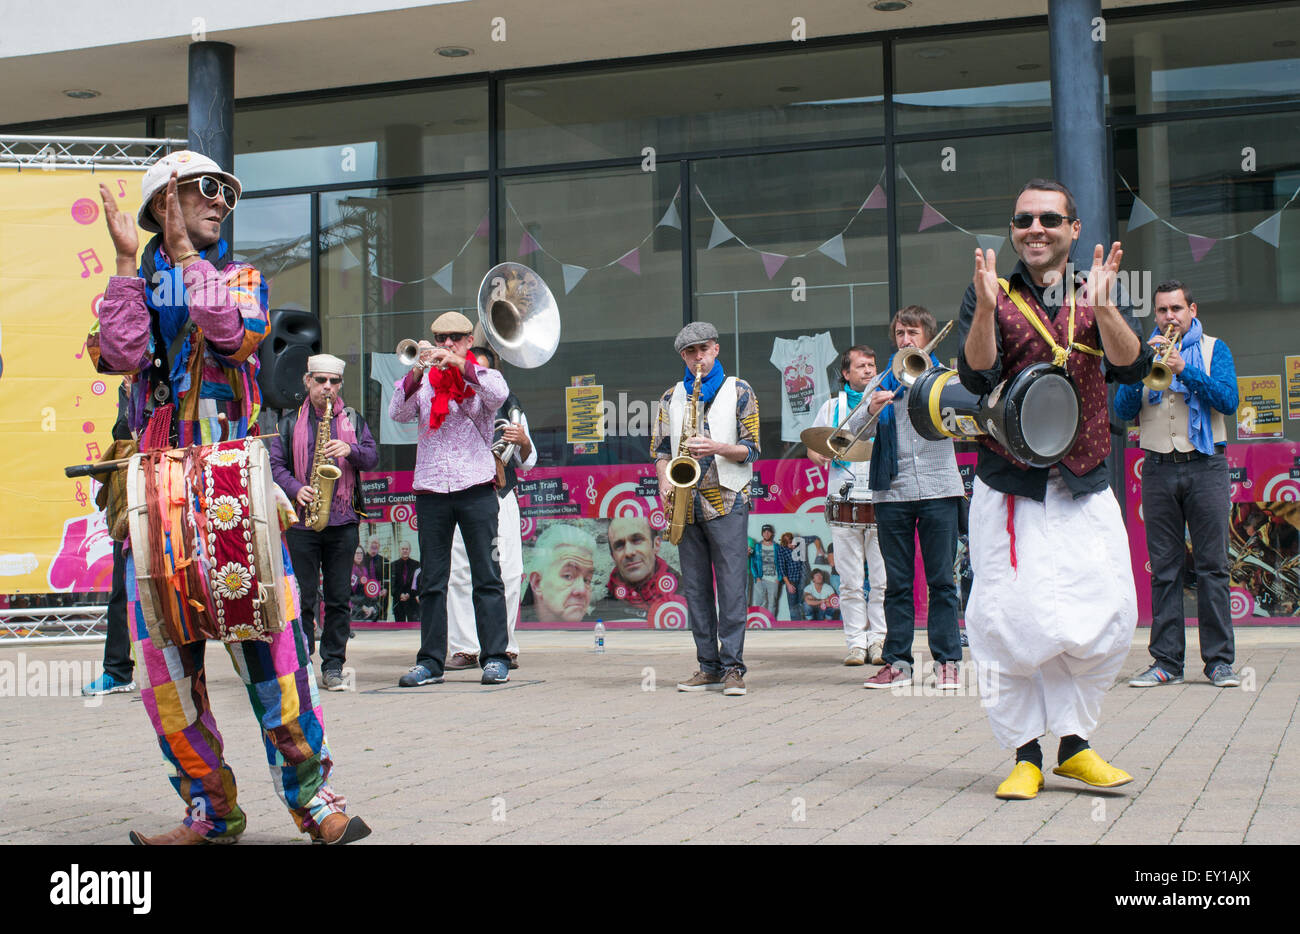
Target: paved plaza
{"x":587,"y":748}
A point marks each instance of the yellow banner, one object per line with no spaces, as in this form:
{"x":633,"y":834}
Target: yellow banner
{"x":55,"y":260}
{"x":584,"y":413}
{"x":1293,"y":387}
{"x":1259,"y":411}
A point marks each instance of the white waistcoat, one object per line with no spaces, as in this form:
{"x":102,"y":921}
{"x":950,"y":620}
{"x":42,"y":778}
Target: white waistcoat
{"x":1164,"y":427}
{"x":721,"y":416}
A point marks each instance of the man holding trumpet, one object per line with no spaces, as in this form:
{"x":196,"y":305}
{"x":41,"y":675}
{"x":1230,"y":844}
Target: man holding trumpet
{"x":1185,"y":485}
{"x":454,"y":399}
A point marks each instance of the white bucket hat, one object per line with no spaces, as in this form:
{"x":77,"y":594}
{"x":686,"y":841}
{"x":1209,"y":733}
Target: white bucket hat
{"x":185,"y":164}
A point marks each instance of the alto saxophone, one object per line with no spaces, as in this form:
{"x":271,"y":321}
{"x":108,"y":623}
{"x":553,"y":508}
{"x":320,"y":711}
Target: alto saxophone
{"x":684,"y":470}
{"x":324,"y":472}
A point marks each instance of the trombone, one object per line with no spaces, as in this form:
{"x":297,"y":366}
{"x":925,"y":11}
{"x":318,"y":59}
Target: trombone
{"x":1161,"y":376}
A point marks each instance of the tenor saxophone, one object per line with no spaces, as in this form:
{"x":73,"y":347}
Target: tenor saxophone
{"x":324,"y":473}
{"x":684,"y":470}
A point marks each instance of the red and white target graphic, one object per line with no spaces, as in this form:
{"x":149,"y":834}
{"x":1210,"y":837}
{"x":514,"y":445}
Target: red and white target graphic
{"x":759,"y":618}
{"x":621,"y":501}
{"x":1280,"y":488}
{"x":832,"y":602}
{"x":658,"y":521}
{"x":98,"y":387}
{"x":1137,"y":468}
{"x":670,"y":614}
{"x":94,"y":304}
{"x":1241,"y":603}
{"x":85,"y":211}
{"x":372,"y":588}
{"x":527,"y":527}
{"x":403,"y":512}
{"x":621,"y":592}
{"x":667,"y":584}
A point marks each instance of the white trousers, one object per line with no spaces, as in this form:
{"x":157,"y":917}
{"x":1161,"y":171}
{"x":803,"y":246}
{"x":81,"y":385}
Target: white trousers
{"x":864,"y":618}
{"x":1050,"y":635}
{"x":462,"y":635}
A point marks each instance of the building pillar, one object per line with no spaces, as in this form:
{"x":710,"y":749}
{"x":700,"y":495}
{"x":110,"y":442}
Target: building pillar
{"x":212,"y":109}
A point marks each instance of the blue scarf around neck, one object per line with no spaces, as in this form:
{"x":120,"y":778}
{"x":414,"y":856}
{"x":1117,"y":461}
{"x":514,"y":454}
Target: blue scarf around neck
{"x":1199,"y":430}
{"x":713,"y":381}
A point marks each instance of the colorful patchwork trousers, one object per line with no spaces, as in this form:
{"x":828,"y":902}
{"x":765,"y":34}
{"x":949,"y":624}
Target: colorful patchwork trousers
{"x":281,"y":686}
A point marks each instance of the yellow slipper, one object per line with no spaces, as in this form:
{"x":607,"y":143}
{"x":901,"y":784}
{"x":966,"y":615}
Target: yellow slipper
{"x":1022,"y":784}
{"x":1092,"y":769}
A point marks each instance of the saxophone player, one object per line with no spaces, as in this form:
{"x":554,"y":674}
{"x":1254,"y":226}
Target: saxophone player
{"x":714,"y":541}
{"x":324,"y":433}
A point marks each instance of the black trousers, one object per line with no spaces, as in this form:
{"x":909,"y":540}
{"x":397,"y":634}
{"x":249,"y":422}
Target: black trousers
{"x":475,"y":511}
{"x":117,"y":644}
{"x":406,"y":611}
{"x":327,"y":554}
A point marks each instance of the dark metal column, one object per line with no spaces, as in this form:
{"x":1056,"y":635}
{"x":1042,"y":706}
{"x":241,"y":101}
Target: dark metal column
{"x":212,"y":108}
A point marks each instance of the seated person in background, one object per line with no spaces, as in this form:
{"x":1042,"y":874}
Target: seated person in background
{"x":365,"y":606}
{"x":816,"y":594}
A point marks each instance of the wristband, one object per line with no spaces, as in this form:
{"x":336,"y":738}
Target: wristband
{"x":184,"y":256}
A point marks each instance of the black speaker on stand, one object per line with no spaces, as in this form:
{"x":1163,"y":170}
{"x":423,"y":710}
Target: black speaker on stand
{"x":295,"y":335}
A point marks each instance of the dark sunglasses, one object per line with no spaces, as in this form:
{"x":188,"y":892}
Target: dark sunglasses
{"x":449,"y":336}
{"x":1049,"y":220}
{"x":210,"y":188}
{"x":332,"y":380}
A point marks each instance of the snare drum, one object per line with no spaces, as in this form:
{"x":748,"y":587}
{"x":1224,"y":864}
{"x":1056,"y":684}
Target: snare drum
{"x":849,"y":513}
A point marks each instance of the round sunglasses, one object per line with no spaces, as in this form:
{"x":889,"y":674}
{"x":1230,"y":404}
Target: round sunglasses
{"x":211,"y":188}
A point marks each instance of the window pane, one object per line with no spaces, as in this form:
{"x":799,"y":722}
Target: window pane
{"x":600,"y":232}
{"x":783,"y":98}
{"x":380,"y":250}
{"x":1191,"y":60}
{"x":806,"y":256}
{"x":274,"y":235}
{"x":132,"y":127}
{"x":972,"y":82}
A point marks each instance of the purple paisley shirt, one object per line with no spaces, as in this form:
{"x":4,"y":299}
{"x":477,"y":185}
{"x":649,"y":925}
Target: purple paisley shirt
{"x":459,"y":454}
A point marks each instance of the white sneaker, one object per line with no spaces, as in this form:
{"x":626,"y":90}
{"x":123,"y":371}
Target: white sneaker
{"x":857,"y":656}
{"x":876,"y":653}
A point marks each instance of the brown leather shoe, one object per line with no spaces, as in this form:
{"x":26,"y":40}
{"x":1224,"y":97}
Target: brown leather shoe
{"x":181,"y":836}
{"x":462,"y":660}
{"x":339,"y":829}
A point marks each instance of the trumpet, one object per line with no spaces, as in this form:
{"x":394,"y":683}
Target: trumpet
{"x":408,"y":352}
{"x":1161,"y":375}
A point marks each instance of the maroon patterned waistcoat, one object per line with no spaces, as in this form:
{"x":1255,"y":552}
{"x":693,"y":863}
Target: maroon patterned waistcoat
{"x":1022,"y":346}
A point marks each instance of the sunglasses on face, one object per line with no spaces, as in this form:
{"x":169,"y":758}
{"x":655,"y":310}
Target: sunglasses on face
{"x":332,"y":380}
{"x":1049,"y":220}
{"x":210,"y":188}
{"x":449,"y":336}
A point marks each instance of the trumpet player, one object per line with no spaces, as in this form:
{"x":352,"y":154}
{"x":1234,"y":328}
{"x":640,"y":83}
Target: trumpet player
{"x":714,"y":543}
{"x":1180,"y":414}
{"x":325,"y":553}
{"x":454,"y":397}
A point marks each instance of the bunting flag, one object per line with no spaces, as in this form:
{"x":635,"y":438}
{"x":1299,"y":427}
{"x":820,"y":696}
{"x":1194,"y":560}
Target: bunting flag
{"x":876,"y":200}
{"x":720,"y":233}
{"x":483,"y":228}
{"x":444,"y":277}
{"x":930,"y":217}
{"x":1200,"y":246}
{"x":671,"y":218}
{"x":527,"y":244}
{"x":834,"y":248}
{"x":572,"y":276}
{"x":1140,"y":215}
{"x":390,"y":287}
{"x":772,"y":262}
{"x":990,"y":242}
{"x":1269,"y":230}
{"x":632,"y":260}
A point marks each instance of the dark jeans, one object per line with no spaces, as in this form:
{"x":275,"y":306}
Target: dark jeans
{"x":710,"y":551}
{"x":327,"y":554}
{"x":899,"y":525}
{"x":1194,"y":494}
{"x":117,"y":642}
{"x":406,"y":611}
{"x":475,"y":512}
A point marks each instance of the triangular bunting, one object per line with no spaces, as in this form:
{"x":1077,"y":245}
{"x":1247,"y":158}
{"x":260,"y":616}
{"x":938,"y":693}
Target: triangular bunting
{"x":773,"y":262}
{"x":1269,"y":230}
{"x":834,"y":248}
{"x":572,"y":276}
{"x":875,"y":200}
{"x":390,"y":287}
{"x":1140,"y":214}
{"x":527,"y":244}
{"x":990,"y":242}
{"x":1200,"y":246}
{"x":345,"y":276}
{"x":632,"y":260}
{"x":349,"y":259}
{"x":720,"y":234}
{"x":444,"y":277}
{"x":930,"y":217}
{"x":483,"y":227}
{"x":671,"y":218}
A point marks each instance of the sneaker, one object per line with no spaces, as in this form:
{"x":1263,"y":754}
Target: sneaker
{"x":462,"y":660}
{"x":733,"y":685}
{"x":945,"y":676}
{"x":876,"y":653}
{"x":965,"y":640}
{"x":334,"y":680}
{"x":107,"y":684}
{"x":890,"y":676}
{"x":1153,"y":677}
{"x":1222,"y":676}
{"x":513,"y":658}
{"x":701,"y":681}
{"x":856,"y":656}
{"x":495,"y":672}
{"x":418,"y":675}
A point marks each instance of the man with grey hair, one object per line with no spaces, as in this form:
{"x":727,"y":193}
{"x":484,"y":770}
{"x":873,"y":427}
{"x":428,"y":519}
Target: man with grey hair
{"x":563,"y":565}
{"x":714,"y":544}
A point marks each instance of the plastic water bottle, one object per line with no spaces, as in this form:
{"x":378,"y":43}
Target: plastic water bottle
{"x":600,"y":637}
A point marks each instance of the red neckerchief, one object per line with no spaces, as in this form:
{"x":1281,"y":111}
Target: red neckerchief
{"x":448,"y":386}
{"x":658,"y":586}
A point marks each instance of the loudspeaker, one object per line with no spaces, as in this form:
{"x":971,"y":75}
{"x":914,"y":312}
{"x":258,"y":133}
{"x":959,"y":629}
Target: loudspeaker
{"x":295,"y":335}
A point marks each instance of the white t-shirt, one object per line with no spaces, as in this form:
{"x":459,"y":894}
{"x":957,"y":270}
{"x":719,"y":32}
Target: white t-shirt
{"x":857,"y":472}
{"x":804,"y":383}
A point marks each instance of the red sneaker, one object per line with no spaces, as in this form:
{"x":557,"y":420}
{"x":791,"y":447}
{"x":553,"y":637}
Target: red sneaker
{"x":945,"y":676}
{"x":890,"y":676}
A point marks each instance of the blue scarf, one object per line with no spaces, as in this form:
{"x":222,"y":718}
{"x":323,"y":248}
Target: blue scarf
{"x":713,"y":381}
{"x":1199,"y":430}
{"x":884,"y":456}
{"x":854,"y":398}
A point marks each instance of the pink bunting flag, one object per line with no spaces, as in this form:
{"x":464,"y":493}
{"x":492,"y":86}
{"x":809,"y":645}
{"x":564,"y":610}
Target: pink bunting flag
{"x":632,"y":260}
{"x":930,"y":217}
{"x":345,"y":276}
{"x":875,"y":200}
{"x":1200,"y":246}
{"x":528,"y":245}
{"x":390,"y":287}
{"x":482,"y":229}
{"x":773,"y":262}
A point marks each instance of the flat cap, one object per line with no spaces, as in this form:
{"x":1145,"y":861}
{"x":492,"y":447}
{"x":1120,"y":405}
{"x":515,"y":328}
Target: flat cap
{"x":452,"y":322}
{"x":697,"y":332}
{"x":325,"y":363}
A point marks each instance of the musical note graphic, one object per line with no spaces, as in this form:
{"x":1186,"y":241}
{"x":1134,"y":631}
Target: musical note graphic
{"x":78,"y":404}
{"x":82,"y":352}
{"x":814,"y":476}
{"x":80,"y":495}
{"x":92,"y":452}
{"x":121,"y":188}
{"x":86,"y":256}
{"x":591,"y":489}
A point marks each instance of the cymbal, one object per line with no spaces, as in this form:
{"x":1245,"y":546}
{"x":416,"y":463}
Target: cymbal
{"x":817,"y":440}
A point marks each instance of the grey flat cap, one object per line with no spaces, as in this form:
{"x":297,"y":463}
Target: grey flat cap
{"x":697,"y":332}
